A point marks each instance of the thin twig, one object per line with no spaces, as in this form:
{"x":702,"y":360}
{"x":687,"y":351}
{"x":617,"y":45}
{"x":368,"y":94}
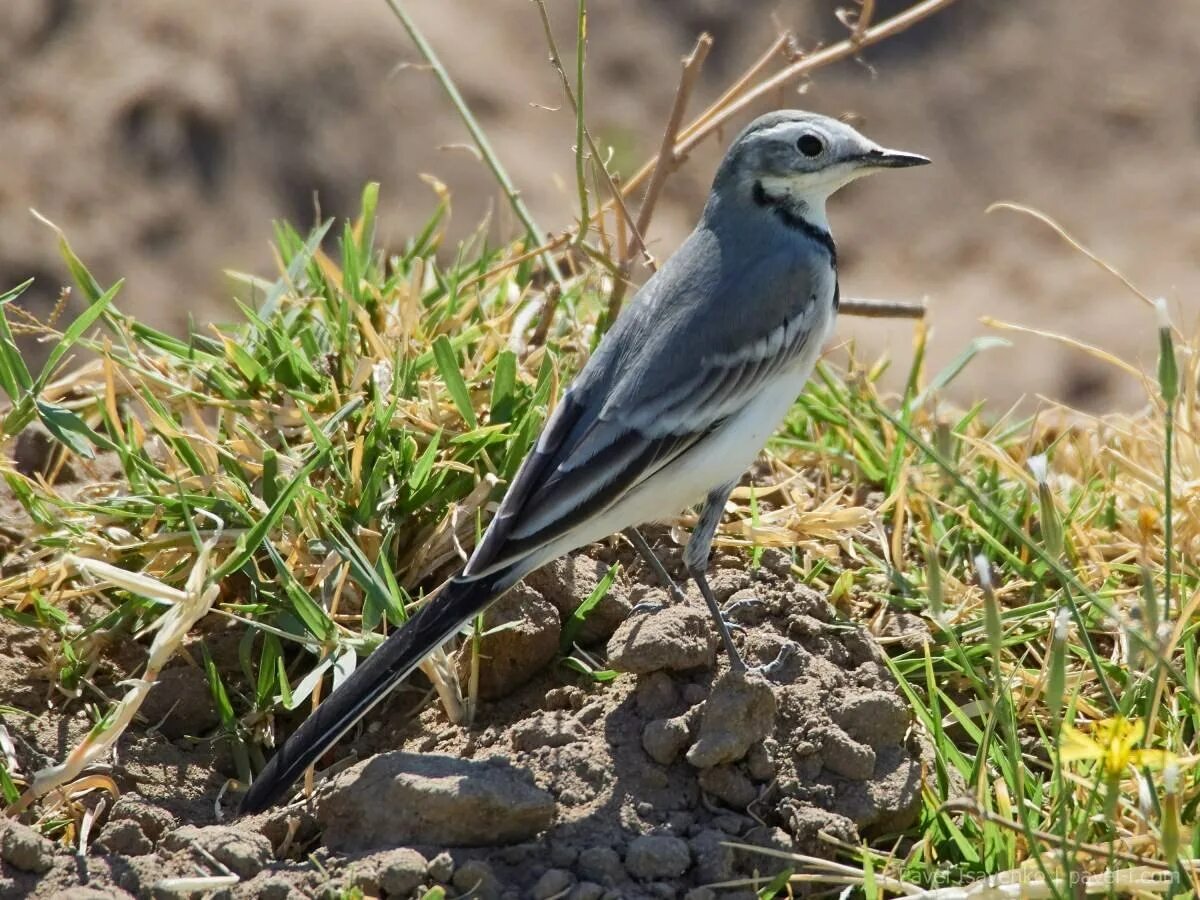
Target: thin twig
{"x":617,"y":196}
{"x":667,"y":158}
{"x":834,"y":53}
{"x":664,"y":165}
{"x":779,"y":47}
{"x":533,"y":233}
{"x":709,"y":121}
{"x":870,"y":308}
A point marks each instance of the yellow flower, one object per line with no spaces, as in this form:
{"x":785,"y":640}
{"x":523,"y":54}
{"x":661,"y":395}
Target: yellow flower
{"x":1114,"y":742}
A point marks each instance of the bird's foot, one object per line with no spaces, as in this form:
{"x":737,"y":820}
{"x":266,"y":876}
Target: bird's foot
{"x":776,"y":667}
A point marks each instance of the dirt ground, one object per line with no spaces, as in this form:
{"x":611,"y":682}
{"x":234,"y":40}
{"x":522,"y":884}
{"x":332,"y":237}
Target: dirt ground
{"x":164,"y":136}
{"x":562,"y":787}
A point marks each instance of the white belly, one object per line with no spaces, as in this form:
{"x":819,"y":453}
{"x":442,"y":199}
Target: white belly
{"x":721,"y":458}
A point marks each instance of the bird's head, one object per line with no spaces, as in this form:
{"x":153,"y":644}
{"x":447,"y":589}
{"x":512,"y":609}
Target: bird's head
{"x":800,"y":158}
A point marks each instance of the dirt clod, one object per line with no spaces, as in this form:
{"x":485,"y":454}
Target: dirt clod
{"x":739,"y":712}
{"x":673,"y":637}
{"x":124,"y":836}
{"x":521,"y":637}
{"x":552,"y":884}
{"x":664,"y":739}
{"x":432,"y":798}
{"x":401,"y":871}
{"x":475,"y":880}
{"x":550,"y":729}
{"x":568,"y":582}
{"x":602,"y":865}
{"x":245,"y":853}
{"x":729,"y":786}
{"x":657,"y":856}
{"x":24,"y":849}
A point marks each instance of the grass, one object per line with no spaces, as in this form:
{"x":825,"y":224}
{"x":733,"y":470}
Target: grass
{"x":307,"y":469}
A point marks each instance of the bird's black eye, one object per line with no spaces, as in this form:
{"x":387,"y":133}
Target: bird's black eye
{"x":810,"y":145}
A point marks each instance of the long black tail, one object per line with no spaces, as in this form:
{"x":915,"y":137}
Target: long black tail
{"x":390,"y":663}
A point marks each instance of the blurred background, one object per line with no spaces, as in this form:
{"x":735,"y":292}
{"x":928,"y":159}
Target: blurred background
{"x":164,"y":136}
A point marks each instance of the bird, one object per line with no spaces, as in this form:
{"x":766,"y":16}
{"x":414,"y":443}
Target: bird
{"x":672,"y":408}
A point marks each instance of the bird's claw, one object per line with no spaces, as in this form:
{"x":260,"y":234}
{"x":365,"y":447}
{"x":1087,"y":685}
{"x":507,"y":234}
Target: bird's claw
{"x":789,"y":651}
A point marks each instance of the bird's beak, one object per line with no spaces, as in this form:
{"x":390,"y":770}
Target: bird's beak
{"x":878,"y":157}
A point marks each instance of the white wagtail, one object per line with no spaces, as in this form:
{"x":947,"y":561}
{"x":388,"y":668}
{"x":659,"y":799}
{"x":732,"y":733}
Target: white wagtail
{"x":677,"y":401}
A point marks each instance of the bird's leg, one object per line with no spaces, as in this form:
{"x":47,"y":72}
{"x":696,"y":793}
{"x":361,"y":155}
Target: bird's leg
{"x":695,"y":558}
{"x":660,"y":571}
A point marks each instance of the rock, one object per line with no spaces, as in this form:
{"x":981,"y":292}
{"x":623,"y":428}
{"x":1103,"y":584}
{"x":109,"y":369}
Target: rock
{"x":432,"y":799}
{"x":601,"y":864}
{"x":845,"y":756}
{"x":729,"y":785}
{"x":548,"y":729}
{"x":552,"y":884}
{"x":586,"y":890}
{"x":441,"y":867}
{"x":874,"y":718}
{"x":676,"y":638}
{"x":153,"y":820}
{"x":739,"y":712}
{"x":475,"y":880}
{"x":24,"y":849}
{"x":526,"y":642}
{"x":401,"y":871}
{"x":124,"y":836}
{"x":664,"y":739}
{"x":657,"y":856}
{"x":568,"y":582}
{"x":245,"y":853}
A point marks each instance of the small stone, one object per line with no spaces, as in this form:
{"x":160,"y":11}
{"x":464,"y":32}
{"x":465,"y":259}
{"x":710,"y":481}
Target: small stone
{"x":601,"y":864}
{"x":441,"y":867}
{"x":657,"y":856}
{"x":24,"y":849}
{"x":845,"y":756}
{"x":552,"y":884}
{"x":739,"y":713}
{"x":124,"y":836}
{"x":664,"y":739}
{"x":677,"y":638}
{"x":400,"y":797}
{"x":401,"y":871}
{"x":586,"y":890}
{"x":475,"y":880}
{"x":547,"y":729}
{"x":245,"y":853}
{"x":729,"y":785}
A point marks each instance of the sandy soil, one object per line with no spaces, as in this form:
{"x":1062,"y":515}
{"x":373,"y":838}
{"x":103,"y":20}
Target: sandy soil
{"x":164,"y":136}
